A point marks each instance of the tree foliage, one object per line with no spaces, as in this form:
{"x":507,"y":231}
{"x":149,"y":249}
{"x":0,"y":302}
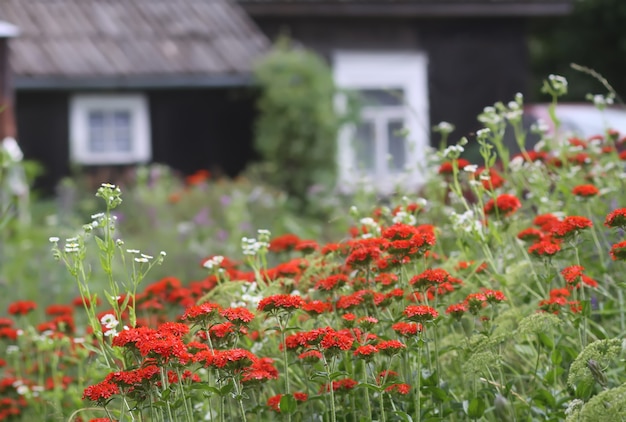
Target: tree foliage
{"x":594,"y":36}
{"x":296,"y":129}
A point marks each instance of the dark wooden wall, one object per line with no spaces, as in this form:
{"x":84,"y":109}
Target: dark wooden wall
{"x":192,"y":129}
{"x":473,"y":62}
{"x":202,"y":129}
{"x":43,"y":133}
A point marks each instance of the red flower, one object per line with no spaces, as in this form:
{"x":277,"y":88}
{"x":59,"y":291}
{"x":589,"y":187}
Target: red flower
{"x":504,"y":204}
{"x":317,"y":307}
{"x":198,"y":177}
{"x":447,"y":167}
{"x":490,"y":181}
{"x":616,"y":218}
{"x":475,"y":302}
{"x":457,"y":310}
{"x":285,"y":242}
{"x":546,"y":221}
{"x":134,"y":377}
{"x":311,"y":356}
{"x":237,"y":315}
{"x":494,"y":296}
{"x":101,"y":392}
{"x":420,"y":313}
{"x":402,"y":389}
{"x":618,"y":251}
{"x":430,"y":277}
{"x":261,"y":370}
{"x":366,"y":352}
{"x":59,"y":310}
{"x":531,"y":234}
{"x":390,"y":347}
{"x":22,"y":307}
{"x":342,"y":385}
{"x":544,"y":248}
{"x":232,"y":359}
{"x":280,"y":302}
{"x":274,"y":402}
{"x":332,"y":282}
{"x":363,"y":252}
{"x":570,"y":226}
{"x":300,"y":396}
{"x":407,"y":329}
{"x":585,"y":191}
{"x":307,"y":246}
{"x":335,"y":341}
{"x":574,"y":273}
{"x":202,"y":313}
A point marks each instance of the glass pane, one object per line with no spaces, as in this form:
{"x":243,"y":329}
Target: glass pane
{"x":96,"y":124}
{"x":365,"y":147}
{"x":381,"y":97}
{"x":396,"y":146}
{"x":121,"y":130}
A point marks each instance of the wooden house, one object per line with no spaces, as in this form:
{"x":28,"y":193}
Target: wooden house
{"x":416,"y":63}
{"x":107,"y":84}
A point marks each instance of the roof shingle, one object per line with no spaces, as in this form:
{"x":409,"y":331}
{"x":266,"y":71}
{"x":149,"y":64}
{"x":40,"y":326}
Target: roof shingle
{"x":131,"y":38}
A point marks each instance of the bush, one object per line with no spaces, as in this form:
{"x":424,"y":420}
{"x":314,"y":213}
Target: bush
{"x":296,"y":131}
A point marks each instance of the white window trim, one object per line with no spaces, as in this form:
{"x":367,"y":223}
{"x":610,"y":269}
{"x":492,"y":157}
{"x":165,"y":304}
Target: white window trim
{"x":141,"y":145}
{"x":385,"y":70}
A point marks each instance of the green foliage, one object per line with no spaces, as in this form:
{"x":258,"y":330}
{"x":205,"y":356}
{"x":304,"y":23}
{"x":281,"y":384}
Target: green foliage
{"x":297,"y":126}
{"x":593,"y":35}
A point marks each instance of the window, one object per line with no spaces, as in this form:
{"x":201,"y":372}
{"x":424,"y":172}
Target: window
{"x":386,"y":147}
{"x":109,"y":129}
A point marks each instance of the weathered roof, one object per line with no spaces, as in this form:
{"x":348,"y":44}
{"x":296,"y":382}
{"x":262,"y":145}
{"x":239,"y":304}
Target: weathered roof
{"x":407,"y":8}
{"x":82,"y":43}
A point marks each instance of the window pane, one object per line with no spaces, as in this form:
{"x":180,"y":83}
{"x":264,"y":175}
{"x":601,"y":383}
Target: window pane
{"x":382,"y":97}
{"x":396,"y":146}
{"x":121,"y":130}
{"x":365,"y":147}
{"x":96,"y":123}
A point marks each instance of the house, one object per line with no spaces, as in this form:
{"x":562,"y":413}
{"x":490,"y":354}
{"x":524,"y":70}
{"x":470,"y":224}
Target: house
{"x":415,"y":63}
{"x":107,"y":84}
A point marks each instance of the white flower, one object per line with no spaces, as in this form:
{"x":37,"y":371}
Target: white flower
{"x":109,"y":321}
{"x":471,"y":168}
{"x":141,"y":259}
{"x":53,"y":239}
{"x":135,"y":251}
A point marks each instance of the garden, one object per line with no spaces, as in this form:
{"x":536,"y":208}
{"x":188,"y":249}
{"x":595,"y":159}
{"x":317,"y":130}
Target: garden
{"x":494,"y":293}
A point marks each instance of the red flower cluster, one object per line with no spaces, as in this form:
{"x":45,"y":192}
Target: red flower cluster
{"x":574,"y":274}
{"x":504,"y":205}
{"x":616,"y":218}
{"x":618,"y":251}
{"x":585,"y":191}
{"x":22,"y":307}
{"x":420,"y":313}
{"x":280,"y":302}
{"x":570,"y":226}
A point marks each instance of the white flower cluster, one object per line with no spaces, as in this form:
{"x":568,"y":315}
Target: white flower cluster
{"x":404,"y":217}
{"x":72,"y":245}
{"x":373,"y":228}
{"x":252,"y":246}
{"x":467,"y":223}
{"x":444,"y":128}
{"x":453,"y":151}
{"x":110,"y":324}
{"x":214,"y":262}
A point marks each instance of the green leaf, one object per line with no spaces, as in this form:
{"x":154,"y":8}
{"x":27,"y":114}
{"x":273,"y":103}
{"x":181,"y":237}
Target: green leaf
{"x":476,"y":408}
{"x":545,"y":340}
{"x":226,"y":389}
{"x":544,"y":397}
{"x":287,"y":404}
{"x":438,"y":394}
{"x":402,"y":415}
{"x":556,"y":357}
{"x":372,"y":387}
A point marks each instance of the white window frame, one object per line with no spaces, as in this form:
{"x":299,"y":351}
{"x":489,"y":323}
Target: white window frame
{"x":407,"y":70}
{"x":136,"y":104}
